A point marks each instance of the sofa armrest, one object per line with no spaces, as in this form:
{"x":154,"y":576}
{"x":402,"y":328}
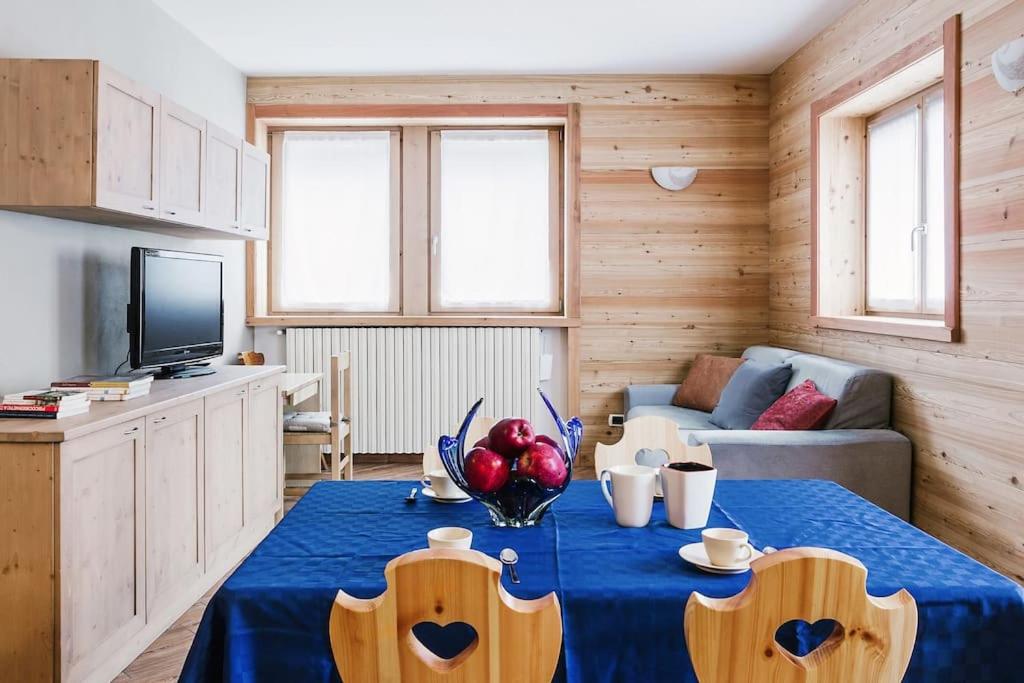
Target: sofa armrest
{"x":873,"y":463}
{"x":648,"y":395}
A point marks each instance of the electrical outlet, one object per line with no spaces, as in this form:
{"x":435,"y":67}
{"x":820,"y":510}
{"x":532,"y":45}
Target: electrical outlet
{"x":616,"y":420}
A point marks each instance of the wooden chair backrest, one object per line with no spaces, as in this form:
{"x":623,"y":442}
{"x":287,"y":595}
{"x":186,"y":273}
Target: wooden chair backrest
{"x":650,"y":432}
{"x":251,"y":358}
{"x":516,"y":640}
{"x":733,"y":639}
{"x":341,"y":407}
{"x":478,"y":429}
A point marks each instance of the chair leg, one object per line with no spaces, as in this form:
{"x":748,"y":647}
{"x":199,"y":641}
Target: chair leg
{"x":335,"y":454}
{"x":350,"y":458}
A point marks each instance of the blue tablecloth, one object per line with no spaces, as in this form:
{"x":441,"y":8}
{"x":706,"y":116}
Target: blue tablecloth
{"x":622,"y":590}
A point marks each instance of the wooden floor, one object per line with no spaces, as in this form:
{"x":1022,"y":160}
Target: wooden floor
{"x":165,"y":657}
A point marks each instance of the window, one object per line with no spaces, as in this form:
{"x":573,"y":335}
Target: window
{"x":339,"y":196}
{"x":905,"y":208}
{"x":884,"y":209}
{"x":496,"y":220}
{"x":417,"y":220}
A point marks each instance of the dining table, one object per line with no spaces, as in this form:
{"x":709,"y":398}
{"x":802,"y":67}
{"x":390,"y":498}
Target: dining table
{"x":622,"y":591}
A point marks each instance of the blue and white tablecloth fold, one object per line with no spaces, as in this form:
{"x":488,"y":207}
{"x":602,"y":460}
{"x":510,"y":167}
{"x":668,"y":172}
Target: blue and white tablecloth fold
{"x":622,"y":590}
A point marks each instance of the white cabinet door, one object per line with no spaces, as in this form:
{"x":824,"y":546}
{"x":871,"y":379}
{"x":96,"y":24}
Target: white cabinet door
{"x":182,"y":158}
{"x":127,"y":145}
{"x":102,"y":545}
{"x":264,"y":470}
{"x":175,"y":557}
{"x":255,"y":192}
{"x":223,"y":180}
{"x":227,"y":424}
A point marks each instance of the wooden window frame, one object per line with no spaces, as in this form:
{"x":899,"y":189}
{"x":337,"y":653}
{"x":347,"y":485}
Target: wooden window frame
{"x":556,"y":223}
{"x":947,"y":328}
{"x":914,"y":102}
{"x":415,"y":310}
{"x":276,"y":145}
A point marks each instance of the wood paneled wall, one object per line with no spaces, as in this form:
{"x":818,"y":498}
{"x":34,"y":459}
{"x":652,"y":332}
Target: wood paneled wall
{"x":663,"y":275}
{"x":961,"y":404}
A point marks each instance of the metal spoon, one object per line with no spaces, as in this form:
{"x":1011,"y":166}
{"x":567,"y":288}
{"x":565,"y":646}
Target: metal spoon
{"x":509,"y":558}
{"x":411,"y":498}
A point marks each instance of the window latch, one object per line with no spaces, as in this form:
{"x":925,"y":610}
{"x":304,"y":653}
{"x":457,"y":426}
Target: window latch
{"x":922,"y":229}
{"x":433,"y":245}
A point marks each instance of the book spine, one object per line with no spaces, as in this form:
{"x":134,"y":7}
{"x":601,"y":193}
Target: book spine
{"x":16,"y":407}
{"x":70,"y":385}
{"x":22,"y":413}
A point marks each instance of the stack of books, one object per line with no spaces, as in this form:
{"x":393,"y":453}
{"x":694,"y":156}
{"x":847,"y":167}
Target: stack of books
{"x":108,"y":388}
{"x":45,"y":403}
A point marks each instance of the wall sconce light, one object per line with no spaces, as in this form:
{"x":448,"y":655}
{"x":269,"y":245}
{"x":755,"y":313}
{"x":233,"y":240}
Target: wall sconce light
{"x":674,"y":177}
{"x":1008,"y":65}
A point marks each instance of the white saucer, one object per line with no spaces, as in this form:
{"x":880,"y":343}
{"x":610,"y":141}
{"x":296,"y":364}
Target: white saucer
{"x":695,"y":554}
{"x":430,"y":493}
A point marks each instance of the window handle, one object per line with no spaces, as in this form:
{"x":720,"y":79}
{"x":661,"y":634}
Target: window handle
{"x":433,"y":245}
{"x":922,"y":228}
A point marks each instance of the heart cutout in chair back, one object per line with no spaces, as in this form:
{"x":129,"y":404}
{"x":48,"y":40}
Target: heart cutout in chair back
{"x":443,"y":647}
{"x":799,"y":638}
{"x":651,"y":457}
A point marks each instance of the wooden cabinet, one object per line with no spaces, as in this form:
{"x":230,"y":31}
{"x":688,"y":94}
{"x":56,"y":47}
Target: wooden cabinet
{"x":115,"y":522}
{"x":223,"y":179}
{"x":127,"y":144}
{"x":264,"y":482}
{"x":182,"y":164}
{"x":174,"y":505}
{"x":227,"y":425}
{"x":92,"y":145}
{"x":255,"y":192}
{"x":102,"y":545}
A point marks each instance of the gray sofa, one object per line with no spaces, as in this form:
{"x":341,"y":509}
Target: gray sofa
{"x":856,"y":449}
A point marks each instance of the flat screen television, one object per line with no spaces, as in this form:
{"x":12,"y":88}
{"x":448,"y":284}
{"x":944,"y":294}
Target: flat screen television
{"x":175,"y":311}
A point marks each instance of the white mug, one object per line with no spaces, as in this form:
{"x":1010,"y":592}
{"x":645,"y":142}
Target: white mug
{"x":688,"y":488}
{"x":440,"y":483}
{"x":632,"y":494}
{"x":450,"y":537}
{"x":727,"y":547}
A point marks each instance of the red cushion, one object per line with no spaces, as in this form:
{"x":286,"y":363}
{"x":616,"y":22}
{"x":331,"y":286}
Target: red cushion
{"x":800,"y":409}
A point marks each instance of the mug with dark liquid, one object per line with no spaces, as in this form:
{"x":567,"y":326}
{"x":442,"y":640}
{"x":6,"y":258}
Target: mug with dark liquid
{"x":688,"y":488}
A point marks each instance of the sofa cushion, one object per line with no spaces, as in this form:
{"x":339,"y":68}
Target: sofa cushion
{"x":686,"y":418}
{"x":752,"y":389}
{"x":704,"y":383}
{"x":769,"y":354}
{"x":801,"y":408}
{"x":863,"y":395}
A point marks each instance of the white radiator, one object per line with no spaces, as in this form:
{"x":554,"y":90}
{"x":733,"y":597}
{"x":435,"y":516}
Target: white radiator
{"x":412,"y":384}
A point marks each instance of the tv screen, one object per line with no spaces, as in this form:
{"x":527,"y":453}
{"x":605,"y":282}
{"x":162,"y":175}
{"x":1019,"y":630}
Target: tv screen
{"x":176,"y":307}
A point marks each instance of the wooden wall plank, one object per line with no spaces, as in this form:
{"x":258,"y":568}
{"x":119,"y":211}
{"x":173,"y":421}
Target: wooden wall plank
{"x":959,"y":403}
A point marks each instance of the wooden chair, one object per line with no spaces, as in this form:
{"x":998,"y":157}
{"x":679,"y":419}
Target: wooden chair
{"x":478,"y":429}
{"x":733,"y":639}
{"x":516,"y":640}
{"x":651,"y":433}
{"x":335,"y":424}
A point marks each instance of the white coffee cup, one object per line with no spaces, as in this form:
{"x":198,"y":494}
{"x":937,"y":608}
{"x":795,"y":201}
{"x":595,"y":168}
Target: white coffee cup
{"x":689,"y":488}
{"x":441,"y":484}
{"x":632,"y":494}
{"x":450,"y":537}
{"x":727,"y":547}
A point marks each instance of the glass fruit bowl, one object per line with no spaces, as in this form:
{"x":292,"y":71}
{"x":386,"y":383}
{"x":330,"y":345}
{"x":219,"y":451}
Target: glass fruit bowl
{"x":522,"y":500}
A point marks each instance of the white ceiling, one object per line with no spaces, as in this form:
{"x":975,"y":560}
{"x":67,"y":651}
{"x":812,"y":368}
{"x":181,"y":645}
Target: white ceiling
{"x":381,"y":37}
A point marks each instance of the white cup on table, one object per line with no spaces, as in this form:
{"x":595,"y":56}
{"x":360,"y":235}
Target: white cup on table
{"x":632,"y":493}
{"x":450,"y":537}
{"x":727,"y":547}
{"x":442,"y":485}
{"x":689,"y":488}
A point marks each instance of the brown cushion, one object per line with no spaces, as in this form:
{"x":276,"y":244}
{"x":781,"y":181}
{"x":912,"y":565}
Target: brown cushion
{"x":703,"y":385}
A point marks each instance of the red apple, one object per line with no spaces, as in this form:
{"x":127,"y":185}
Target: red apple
{"x":544,"y":438}
{"x":486,"y":471}
{"x":511,"y":436}
{"x":482,"y":443}
{"x":543,"y":463}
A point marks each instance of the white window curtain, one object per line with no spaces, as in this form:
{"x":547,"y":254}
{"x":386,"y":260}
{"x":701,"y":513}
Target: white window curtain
{"x":335,"y":249}
{"x":934,"y":238}
{"x":494,"y":237}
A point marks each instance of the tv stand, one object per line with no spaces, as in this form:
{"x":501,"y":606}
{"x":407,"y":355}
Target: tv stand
{"x":183,"y":371}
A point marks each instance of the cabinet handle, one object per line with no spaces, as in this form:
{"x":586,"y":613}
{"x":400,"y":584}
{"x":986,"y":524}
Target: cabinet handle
{"x":159,"y":419}
{"x":129,"y":432}
{"x":172,"y":213}
{"x":247,"y":229}
{"x":257,"y":387}
{"x":241,"y":394}
{"x":149,"y":207}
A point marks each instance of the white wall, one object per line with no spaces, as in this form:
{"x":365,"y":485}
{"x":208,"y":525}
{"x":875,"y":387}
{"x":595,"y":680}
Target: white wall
{"x":63,"y":284}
